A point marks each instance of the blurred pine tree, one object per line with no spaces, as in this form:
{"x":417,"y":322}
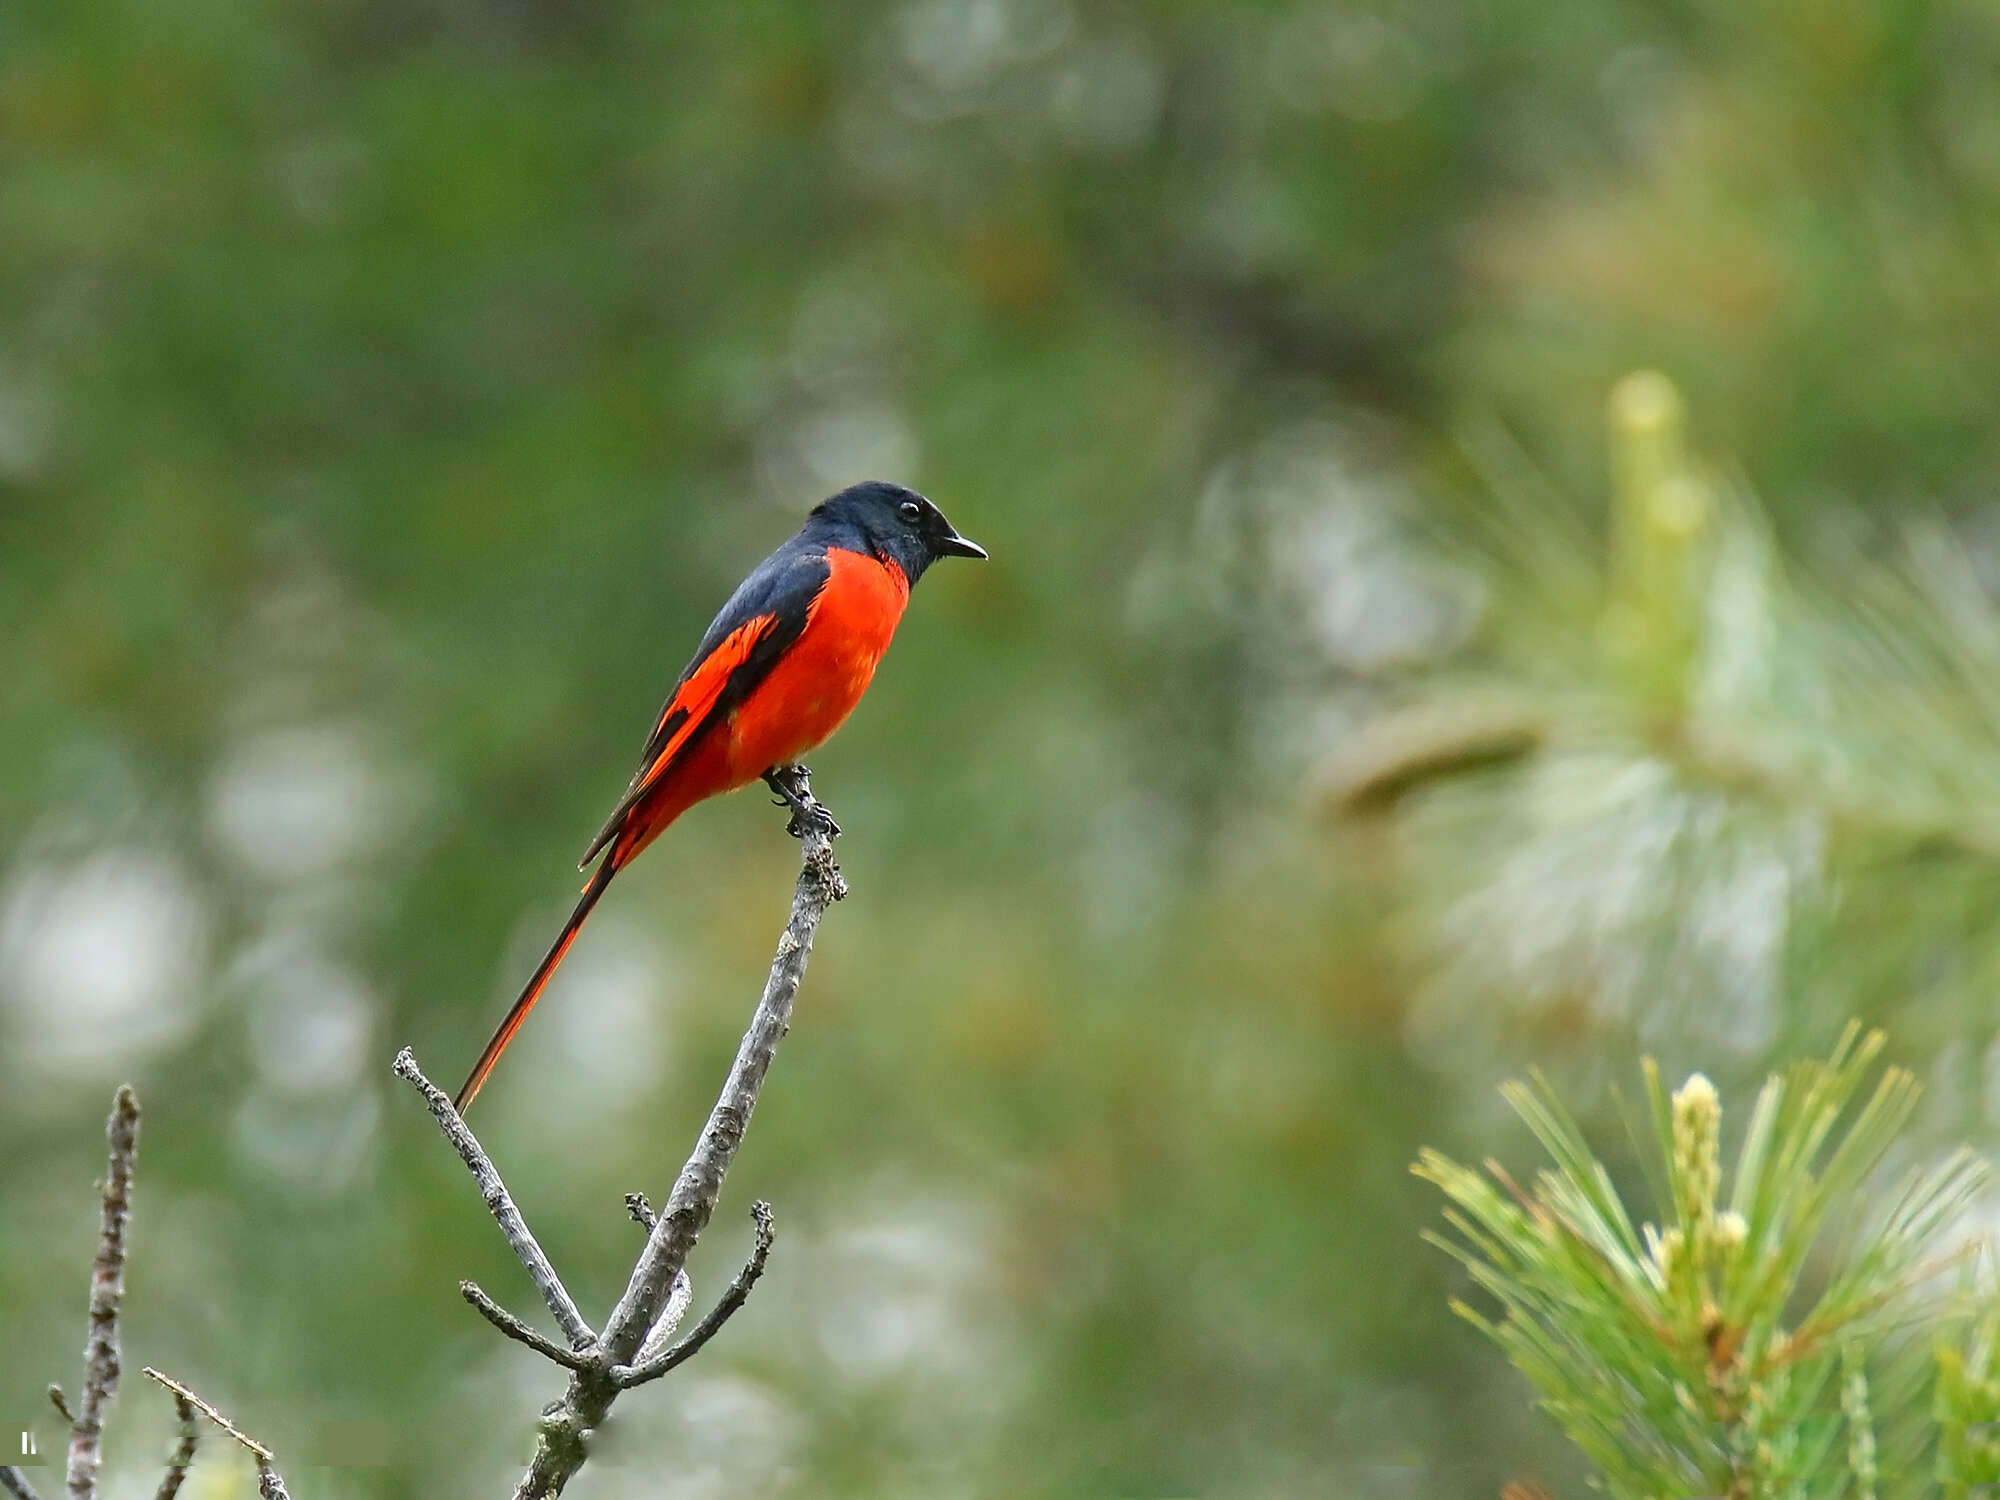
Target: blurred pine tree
{"x":1691,"y":787}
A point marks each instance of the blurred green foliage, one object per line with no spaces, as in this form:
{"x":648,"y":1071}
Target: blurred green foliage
{"x":390,"y":392}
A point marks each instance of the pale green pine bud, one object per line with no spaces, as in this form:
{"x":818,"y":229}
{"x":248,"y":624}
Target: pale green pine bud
{"x":1697,"y":1126}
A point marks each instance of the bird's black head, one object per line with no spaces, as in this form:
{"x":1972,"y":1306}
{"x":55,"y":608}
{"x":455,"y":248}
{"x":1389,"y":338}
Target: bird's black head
{"x":895,"y":524}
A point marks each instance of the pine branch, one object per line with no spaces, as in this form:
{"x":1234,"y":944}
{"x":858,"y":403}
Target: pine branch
{"x":1677,"y":757}
{"x":1699,"y":1354}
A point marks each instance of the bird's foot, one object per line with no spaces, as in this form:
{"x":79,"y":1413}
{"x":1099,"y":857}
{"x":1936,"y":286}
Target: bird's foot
{"x":793,"y":784}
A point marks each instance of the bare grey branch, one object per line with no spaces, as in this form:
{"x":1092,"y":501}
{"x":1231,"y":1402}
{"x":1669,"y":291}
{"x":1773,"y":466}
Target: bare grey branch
{"x":15,"y":1483}
{"x":628,"y":1376}
{"x":107,"y":1290}
{"x":520,"y":1332}
{"x":499,"y":1203}
{"x":641,"y":1210}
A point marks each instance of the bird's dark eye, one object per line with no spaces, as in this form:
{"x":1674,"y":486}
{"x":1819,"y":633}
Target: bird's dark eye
{"x":910,"y":511}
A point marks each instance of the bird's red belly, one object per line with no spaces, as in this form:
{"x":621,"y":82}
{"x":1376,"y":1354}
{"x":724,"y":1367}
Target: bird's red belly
{"x":820,"y":679}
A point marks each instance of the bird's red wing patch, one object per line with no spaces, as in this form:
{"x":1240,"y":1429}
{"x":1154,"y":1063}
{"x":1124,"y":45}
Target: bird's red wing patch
{"x":686,"y":712}
{"x":695,"y":699}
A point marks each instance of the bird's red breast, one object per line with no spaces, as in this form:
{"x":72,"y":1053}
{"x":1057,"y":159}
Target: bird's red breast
{"x":807,"y":694}
{"x":817,"y":683}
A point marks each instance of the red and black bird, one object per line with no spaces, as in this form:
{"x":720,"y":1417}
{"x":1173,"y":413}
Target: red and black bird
{"x":781,"y":666}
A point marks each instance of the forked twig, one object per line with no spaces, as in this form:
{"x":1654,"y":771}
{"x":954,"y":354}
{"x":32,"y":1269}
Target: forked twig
{"x":658,"y":1292}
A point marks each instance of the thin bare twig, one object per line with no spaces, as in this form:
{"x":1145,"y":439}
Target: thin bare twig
{"x":520,"y":1332}
{"x":500,"y":1203}
{"x":269,"y":1484}
{"x":628,"y":1376}
{"x":641,"y":1210}
{"x":15,"y":1483}
{"x":107,"y":1290}
{"x":177,"y":1466}
{"x":256,"y":1449}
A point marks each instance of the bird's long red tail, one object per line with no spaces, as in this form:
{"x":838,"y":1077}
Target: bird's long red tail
{"x":533,"y":991}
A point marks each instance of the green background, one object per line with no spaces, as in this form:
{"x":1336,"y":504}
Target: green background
{"x":390,"y":390}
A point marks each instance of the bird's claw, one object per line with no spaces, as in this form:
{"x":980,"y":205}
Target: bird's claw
{"x":819,"y":815}
{"x":806,"y":809}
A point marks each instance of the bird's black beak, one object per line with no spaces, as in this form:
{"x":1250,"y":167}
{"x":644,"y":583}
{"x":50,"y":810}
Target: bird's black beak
{"x":959,"y":546}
